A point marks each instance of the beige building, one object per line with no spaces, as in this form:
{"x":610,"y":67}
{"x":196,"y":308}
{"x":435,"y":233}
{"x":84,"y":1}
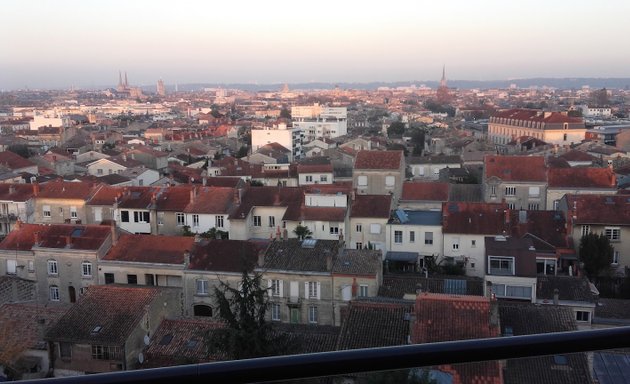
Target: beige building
{"x":379,"y":173}
{"x":59,"y":202}
{"x":550,"y":127}
{"x":520,"y":181}
{"x":368,"y":221}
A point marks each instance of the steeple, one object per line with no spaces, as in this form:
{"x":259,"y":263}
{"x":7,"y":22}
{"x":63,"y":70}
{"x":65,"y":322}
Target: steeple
{"x":126,"y":83}
{"x":119,"y":78}
{"x":443,"y":80}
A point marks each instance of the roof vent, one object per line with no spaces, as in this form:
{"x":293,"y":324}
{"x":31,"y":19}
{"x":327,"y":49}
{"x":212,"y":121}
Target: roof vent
{"x":309,"y":243}
{"x":500,"y":238}
{"x":96,"y":329}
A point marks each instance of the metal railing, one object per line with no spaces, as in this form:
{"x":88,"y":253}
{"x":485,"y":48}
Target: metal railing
{"x":367,"y":360}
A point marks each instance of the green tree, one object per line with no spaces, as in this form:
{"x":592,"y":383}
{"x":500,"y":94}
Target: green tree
{"x":396,"y":128}
{"x":302,"y":232}
{"x":242,"y":151}
{"x":20,"y":149}
{"x":285,"y":113}
{"x":247,"y":334}
{"x":596,"y":253}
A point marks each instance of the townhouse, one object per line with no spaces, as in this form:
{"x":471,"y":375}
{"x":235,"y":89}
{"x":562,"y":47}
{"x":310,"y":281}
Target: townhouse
{"x":62,"y":202}
{"x":427,"y":196}
{"x":16,"y":203}
{"x":520,"y":181}
{"x":368,"y":221}
{"x":379,"y":173}
{"x":561,"y":181}
{"x":413,"y":239}
{"x":429,"y":167}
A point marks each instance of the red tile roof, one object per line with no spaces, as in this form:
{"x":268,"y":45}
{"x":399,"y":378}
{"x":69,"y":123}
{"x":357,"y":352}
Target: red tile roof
{"x":60,"y":236}
{"x":515,"y":168}
{"x":225,"y":255}
{"x":599,"y":209}
{"x":212,"y":200}
{"x":300,"y":212}
{"x":378,"y":160}
{"x":14,"y":161}
{"x":582,"y":178}
{"x":66,"y":190}
{"x":474,"y":218}
{"x":150,"y":249}
{"x":174,"y":198}
{"x":425,"y":191}
{"x":105,"y":195}
{"x":371,"y":206}
{"x":537,"y":116}
{"x":575,"y":155}
{"x":16,"y":192}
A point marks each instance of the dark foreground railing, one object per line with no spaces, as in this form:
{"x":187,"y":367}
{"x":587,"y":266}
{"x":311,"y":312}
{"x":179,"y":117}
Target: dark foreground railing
{"x":366,"y":360}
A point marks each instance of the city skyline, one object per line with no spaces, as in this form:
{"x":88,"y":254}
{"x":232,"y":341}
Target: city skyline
{"x":71,"y":43}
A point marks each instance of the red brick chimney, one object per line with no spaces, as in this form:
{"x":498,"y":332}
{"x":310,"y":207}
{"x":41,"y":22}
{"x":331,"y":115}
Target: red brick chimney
{"x":36,"y":237}
{"x":35,"y":188}
{"x":114,"y":233}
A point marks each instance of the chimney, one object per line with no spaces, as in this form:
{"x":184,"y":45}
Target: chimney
{"x":355,"y":287}
{"x":11,"y":189}
{"x":186,"y":258}
{"x":124,"y":157}
{"x":285,"y":234}
{"x":197,"y":237}
{"x":204,"y":181}
{"x":237,"y":196}
{"x":18,"y":224}
{"x":112,"y":226}
{"x":36,"y":188}
{"x":340,"y":236}
{"x":329,"y":261}
{"x":68,"y":241}
{"x":556,"y":296}
{"x":36,"y":238}
{"x":192,"y":194}
{"x":278,"y":233}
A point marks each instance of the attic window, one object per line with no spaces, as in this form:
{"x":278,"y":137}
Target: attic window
{"x":192,"y":343}
{"x":166,"y":340}
{"x":560,"y":360}
{"x":77,"y":232}
{"x":96,"y":329}
{"x":508,"y":331}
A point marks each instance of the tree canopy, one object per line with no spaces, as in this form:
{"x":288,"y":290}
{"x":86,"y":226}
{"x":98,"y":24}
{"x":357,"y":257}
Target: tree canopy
{"x":302,"y":232}
{"x":596,"y":253}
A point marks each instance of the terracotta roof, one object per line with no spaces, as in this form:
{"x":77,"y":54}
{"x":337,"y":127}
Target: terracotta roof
{"x":16,"y":192}
{"x":180,"y":341}
{"x":23,"y":325}
{"x":397,"y":286}
{"x":212,"y":200}
{"x":290,"y":255}
{"x":305,"y":338}
{"x":60,"y":236}
{"x":599,"y":209}
{"x":116,"y":309}
{"x":547,"y":227}
{"x":302,"y":212}
{"x":174,"y":198}
{"x":224,"y":255}
{"x":14,"y":161}
{"x":66,"y":190}
{"x":379,"y":160}
{"x":515,"y":168}
{"x":150,"y":249}
{"x":425,"y":191}
{"x":474,"y":218}
{"x":224,"y":181}
{"x":441,"y":317}
{"x":613,"y":309}
{"x":104,"y":195}
{"x":137,"y":197}
{"x":315,"y":165}
{"x":537,"y":116}
{"x":371,"y":206}
{"x":581,"y":178}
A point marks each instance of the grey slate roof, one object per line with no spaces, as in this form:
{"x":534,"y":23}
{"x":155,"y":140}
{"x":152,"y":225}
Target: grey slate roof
{"x":290,"y":255}
{"x":570,"y":288}
{"x":396,"y":286}
{"x":358,"y":261}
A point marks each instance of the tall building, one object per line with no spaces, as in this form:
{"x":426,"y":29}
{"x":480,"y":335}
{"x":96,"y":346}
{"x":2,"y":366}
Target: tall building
{"x":290,"y":138}
{"x":442,"y":94}
{"x":317,"y":122}
{"x":161,"y":91}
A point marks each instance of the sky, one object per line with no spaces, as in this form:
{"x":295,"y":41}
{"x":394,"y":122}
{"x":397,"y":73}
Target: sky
{"x":64,"y":43}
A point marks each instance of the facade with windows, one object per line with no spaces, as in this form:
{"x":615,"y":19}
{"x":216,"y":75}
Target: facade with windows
{"x":368,"y":221}
{"x":550,"y":127}
{"x":379,"y":173}
{"x":62,"y":259}
{"x":520,"y":181}
{"x":62,"y":202}
{"x":579,"y":181}
{"x":417,"y":232}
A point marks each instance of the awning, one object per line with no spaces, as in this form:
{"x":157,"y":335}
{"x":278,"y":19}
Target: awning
{"x":568,"y":256}
{"x":402,"y":256}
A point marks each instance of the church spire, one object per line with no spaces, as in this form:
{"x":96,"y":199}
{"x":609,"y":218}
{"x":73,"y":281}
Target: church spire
{"x":119,"y":78}
{"x":443,"y":80}
{"x":126,"y":83}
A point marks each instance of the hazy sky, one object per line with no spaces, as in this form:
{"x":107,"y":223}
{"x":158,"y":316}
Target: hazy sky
{"x":62,"y":43}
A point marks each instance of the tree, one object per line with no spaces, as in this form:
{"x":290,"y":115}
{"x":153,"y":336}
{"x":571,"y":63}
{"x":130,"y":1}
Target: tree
{"x":596,"y":253}
{"x":20,"y":149}
{"x":302,"y":232}
{"x":396,"y":128}
{"x":285,"y":113}
{"x":247,"y":334}
{"x":242,"y":151}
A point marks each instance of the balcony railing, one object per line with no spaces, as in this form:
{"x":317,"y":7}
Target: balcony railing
{"x":367,"y":360}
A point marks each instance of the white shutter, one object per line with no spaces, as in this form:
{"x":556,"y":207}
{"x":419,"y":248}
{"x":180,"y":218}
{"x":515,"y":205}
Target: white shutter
{"x":11,"y":267}
{"x":319,"y":290}
{"x":269,"y":290}
{"x":306,"y":289}
{"x":294,"y":288}
{"x":281,"y":288}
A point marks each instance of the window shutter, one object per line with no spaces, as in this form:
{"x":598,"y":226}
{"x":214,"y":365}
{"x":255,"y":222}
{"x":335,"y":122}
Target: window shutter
{"x":306,"y":289}
{"x":319,"y":289}
{"x":280,"y":282}
{"x":269,"y":286}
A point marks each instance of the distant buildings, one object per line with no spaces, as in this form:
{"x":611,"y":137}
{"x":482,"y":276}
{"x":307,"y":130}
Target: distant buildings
{"x":319,"y":122}
{"x":290,"y":138}
{"x":550,"y":127}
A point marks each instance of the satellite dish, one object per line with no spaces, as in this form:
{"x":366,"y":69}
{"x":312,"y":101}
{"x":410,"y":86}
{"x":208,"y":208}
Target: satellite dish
{"x":146,"y":340}
{"x":141,"y":358}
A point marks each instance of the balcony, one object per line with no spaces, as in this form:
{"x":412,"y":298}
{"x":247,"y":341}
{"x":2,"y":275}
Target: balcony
{"x":8,"y":217}
{"x":294,"y":301}
{"x":369,"y":360}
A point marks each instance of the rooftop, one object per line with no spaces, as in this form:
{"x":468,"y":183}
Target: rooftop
{"x":378,"y":160}
{"x":515,"y":168}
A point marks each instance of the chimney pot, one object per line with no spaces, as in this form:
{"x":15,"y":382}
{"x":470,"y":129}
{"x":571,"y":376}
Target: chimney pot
{"x":114,"y":233}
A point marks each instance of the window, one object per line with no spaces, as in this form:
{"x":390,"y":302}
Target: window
{"x":412,"y":236}
{"x":511,"y":206}
{"x":272,"y":221}
{"x":160,"y":218}
{"x":65,"y":351}
{"x":53,"y":293}
{"x":73,"y":213}
{"x":275,"y":312}
{"x":615,"y":258}
{"x":398,"y":237}
{"x":181,"y":218}
{"x":141,"y":217}
{"x":534,"y":191}
{"x":46,"y":211}
{"x":276,"y":288}
{"x":104,"y":352}
{"x":323,"y":178}
{"x":473,"y":243}
{"x":500,"y":265}
{"x":510,"y":191}
{"x":195,"y":219}
{"x":493,"y":190}
{"x":358,"y":245}
{"x":86,"y":269}
{"x":218,"y":221}
{"x":455,"y":243}
{"x":109,"y":278}
{"x":312,"y":314}
{"x":362,"y":181}
{"x":363,"y":290}
{"x":334,"y":229}
{"x":359,"y":228}
{"x":149,"y":279}
{"x":533,"y":206}
{"x":124,"y":216}
{"x":52,"y":267}
{"x":556,"y":205}
{"x":99,"y":171}
{"x":202,"y":287}
{"x":375,"y":229}
{"x":256,"y":221}
{"x":309,"y":178}
{"x":582,"y":315}
{"x":132,"y":279}
{"x":312,"y":290}
{"x":390,"y":181}
{"x":613,"y":234}
{"x":31,"y":266}
{"x":518,"y":292}
{"x":428,"y":238}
